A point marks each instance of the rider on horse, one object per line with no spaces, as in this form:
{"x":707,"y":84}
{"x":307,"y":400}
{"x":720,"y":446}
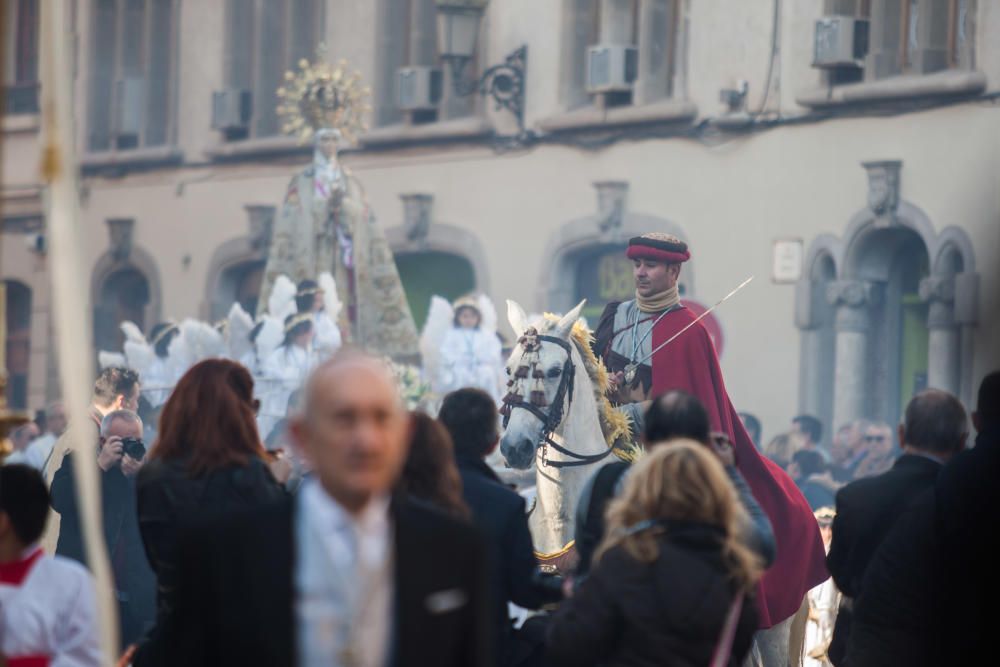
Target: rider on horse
{"x":631,"y":339}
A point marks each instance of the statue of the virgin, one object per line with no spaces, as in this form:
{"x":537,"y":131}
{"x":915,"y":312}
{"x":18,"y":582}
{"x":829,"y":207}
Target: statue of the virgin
{"x":325,"y":223}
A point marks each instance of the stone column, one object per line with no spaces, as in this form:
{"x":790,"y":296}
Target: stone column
{"x":853,"y":300}
{"x":943,"y":361}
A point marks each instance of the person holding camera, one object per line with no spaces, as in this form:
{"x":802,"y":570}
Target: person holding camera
{"x":119,"y":456}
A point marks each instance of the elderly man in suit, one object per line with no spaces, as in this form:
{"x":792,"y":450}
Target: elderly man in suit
{"x":343,"y":573}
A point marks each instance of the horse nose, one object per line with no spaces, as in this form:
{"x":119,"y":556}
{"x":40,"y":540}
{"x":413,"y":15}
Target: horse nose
{"x":517,"y":453}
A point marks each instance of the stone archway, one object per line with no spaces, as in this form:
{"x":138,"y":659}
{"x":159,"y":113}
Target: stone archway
{"x":125,"y":285}
{"x":236,"y":269}
{"x":435,"y":257}
{"x":815,"y":318}
{"x":903,"y":300}
{"x":123,"y":295}
{"x":585,"y":257}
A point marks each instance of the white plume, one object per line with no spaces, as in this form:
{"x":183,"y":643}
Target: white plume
{"x":270,"y":337}
{"x":331,"y":300}
{"x":487,"y":313}
{"x":439,"y":319}
{"x":240,"y":326}
{"x":197,"y":341}
{"x":281,"y":303}
{"x":140,"y":355}
{"x":132,"y":332}
{"x":107,"y":359}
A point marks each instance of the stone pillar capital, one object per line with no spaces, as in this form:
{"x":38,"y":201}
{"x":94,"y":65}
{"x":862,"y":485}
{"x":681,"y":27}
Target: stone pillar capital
{"x":853,"y":299}
{"x":938,"y":289}
{"x":939,"y":293}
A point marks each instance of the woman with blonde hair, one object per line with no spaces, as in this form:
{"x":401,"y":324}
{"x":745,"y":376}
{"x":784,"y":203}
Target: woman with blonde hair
{"x":673,"y":581}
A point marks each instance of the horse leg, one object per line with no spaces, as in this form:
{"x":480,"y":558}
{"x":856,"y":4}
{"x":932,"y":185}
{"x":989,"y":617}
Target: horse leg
{"x":781,"y":645}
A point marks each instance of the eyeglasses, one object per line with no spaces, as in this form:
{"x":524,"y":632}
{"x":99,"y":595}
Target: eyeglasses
{"x":875,"y":438}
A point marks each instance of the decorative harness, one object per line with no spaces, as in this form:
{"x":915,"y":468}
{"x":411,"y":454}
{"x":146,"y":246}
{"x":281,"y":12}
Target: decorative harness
{"x":531,"y":344}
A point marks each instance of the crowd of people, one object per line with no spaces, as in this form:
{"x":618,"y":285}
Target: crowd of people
{"x":370,"y":533}
{"x":215,"y":561}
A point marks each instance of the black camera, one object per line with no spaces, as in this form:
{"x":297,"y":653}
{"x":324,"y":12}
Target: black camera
{"x":134,"y":447}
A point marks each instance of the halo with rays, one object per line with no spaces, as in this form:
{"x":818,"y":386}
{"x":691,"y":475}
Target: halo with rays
{"x":320,"y":96}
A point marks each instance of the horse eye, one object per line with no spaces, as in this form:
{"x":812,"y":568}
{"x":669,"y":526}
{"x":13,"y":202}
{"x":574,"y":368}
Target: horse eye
{"x":555,"y":372}
{"x":507,"y":369}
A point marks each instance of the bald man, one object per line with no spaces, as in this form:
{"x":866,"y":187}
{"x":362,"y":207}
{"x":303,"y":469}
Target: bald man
{"x":346,"y":572}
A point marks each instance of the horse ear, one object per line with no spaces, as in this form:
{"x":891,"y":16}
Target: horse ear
{"x":568,"y":320}
{"x":517,"y":317}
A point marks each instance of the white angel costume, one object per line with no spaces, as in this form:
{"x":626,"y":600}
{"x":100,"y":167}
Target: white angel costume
{"x":456,"y":357}
{"x":194,"y":342}
{"x":281,"y":304}
{"x":285,"y":371}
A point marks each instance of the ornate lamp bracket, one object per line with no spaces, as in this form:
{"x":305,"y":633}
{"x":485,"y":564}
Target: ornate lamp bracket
{"x":503,"y":83}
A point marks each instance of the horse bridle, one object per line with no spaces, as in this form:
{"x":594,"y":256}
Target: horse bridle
{"x":561,"y":404}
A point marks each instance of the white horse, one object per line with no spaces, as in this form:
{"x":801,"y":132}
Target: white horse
{"x":556,"y":416}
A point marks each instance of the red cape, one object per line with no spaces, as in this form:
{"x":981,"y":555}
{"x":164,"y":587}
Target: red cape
{"x":689,"y":363}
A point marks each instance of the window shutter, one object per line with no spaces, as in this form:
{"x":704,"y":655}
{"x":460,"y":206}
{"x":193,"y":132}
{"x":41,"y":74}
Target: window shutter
{"x":305,"y":24}
{"x":271,"y":59}
{"x":131,"y":60}
{"x":239,"y":49}
{"x":657,"y":37}
{"x":885,"y":32}
{"x":933,"y":30}
{"x":391,"y":53}
{"x":158,"y":99}
{"x":102,"y":72}
{"x":965,"y":34}
{"x":581,"y":31}
{"x":423,"y":33}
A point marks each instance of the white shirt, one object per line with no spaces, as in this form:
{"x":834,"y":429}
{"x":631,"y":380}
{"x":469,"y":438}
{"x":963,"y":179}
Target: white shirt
{"x":51,"y":612}
{"x":39,"y":450}
{"x":343,"y":580}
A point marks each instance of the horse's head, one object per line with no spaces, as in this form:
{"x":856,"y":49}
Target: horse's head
{"x":540,"y":370}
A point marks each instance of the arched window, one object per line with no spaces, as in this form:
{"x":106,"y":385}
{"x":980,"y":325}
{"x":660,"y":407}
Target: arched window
{"x":18,"y":349}
{"x":431,"y":272}
{"x":124,"y":295}
{"x":603,"y":274}
{"x":238,"y":283}
{"x":895,"y":260}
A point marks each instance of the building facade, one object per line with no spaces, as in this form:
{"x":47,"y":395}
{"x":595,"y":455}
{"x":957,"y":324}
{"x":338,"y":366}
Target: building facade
{"x":851,"y":167}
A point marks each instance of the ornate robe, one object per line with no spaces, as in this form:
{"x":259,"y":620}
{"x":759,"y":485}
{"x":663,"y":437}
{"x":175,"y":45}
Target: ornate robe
{"x":325,"y":224}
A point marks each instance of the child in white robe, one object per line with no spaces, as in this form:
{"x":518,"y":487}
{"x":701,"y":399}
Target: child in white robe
{"x":48,"y":615}
{"x":469,"y":355}
{"x":286,"y":370}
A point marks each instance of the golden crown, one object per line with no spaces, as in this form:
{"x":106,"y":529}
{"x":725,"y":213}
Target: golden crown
{"x":323,"y":96}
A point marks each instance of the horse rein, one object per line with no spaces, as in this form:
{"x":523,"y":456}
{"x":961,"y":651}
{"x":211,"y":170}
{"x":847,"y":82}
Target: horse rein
{"x":553,"y":418}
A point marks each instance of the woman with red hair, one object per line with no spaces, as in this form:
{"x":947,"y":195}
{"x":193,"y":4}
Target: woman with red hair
{"x":208,"y":459}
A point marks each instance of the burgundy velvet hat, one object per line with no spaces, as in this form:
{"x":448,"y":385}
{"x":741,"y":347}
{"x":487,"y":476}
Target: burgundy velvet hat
{"x":658,"y":247}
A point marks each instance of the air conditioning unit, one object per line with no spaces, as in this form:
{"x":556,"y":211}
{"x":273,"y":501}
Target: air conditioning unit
{"x":418,"y":88}
{"x":129,"y":107}
{"x":840,"y":41}
{"x":611,"y":68}
{"x":231,"y":109}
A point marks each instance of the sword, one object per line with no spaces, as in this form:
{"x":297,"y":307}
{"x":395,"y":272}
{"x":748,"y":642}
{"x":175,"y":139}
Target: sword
{"x":631,"y":368}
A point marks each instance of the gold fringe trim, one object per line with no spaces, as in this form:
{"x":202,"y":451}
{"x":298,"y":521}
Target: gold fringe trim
{"x":556,"y":554}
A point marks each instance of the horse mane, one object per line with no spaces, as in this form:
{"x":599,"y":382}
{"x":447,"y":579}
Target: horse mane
{"x":615,"y":425}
